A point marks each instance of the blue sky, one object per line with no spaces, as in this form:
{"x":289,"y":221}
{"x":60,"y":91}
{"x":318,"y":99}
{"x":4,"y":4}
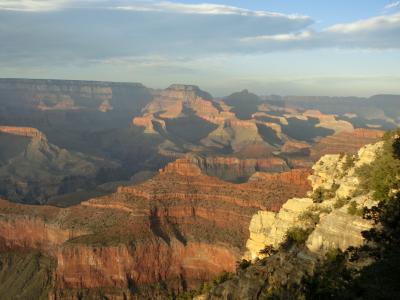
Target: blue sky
{"x":269,"y":46}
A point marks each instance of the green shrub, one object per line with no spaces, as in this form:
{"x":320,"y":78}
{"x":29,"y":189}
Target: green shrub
{"x":332,"y":254}
{"x":318,"y":195}
{"x":340,"y":202}
{"x":243,"y":264}
{"x":348,"y":163}
{"x":205,"y":287}
{"x":353,"y":210}
{"x":382,"y":174}
{"x":188,"y":295}
{"x":321,"y":194}
{"x":396,"y":147}
{"x":298,"y":235}
{"x":324,"y":210}
{"x":310,"y":217}
{"x":268,"y":250}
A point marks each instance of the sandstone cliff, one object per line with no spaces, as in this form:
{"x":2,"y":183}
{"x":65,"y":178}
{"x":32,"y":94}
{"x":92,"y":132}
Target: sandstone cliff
{"x":173,"y":231}
{"x":236,"y":169}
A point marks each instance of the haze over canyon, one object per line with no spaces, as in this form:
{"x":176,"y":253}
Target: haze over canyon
{"x":184,"y":150}
{"x":120,"y":191}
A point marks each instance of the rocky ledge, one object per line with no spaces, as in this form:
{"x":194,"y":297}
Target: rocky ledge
{"x":335,"y":188}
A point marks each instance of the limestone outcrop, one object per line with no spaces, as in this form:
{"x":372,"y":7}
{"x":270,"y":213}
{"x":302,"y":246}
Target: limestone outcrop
{"x":338,"y":229}
{"x":326,"y":215}
{"x":268,"y":228}
{"x":337,"y":171}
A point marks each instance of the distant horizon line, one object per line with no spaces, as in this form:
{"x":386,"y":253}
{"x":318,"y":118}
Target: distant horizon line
{"x":192,"y":85}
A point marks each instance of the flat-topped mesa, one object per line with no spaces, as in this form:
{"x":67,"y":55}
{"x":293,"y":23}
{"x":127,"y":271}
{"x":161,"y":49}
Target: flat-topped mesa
{"x":60,"y":85}
{"x":190,"y":91}
{"x":232,"y":168}
{"x":178,"y":99}
{"x":24,"y":131}
{"x":73,"y":95}
{"x":183,"y":166}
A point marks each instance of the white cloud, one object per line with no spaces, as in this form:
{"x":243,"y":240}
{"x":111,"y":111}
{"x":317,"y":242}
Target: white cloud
{"x":32,"y":5}
{"x":375,"y":23}
{"x":289,"y":37}
{"x":202,"y":8}
{"x":117,"y":29}
{"x":141,"y":6}
{"x":392,"y":5}
{"x":381,"y":32}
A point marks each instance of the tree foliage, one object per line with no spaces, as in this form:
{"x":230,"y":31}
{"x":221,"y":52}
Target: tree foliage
{"x":383,"y":175}
{"x":337,"y":278}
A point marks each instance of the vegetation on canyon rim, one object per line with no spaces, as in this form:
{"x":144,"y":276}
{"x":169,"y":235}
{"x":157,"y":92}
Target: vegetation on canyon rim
{"x":370,"y":271}
{"x":340,"y":275}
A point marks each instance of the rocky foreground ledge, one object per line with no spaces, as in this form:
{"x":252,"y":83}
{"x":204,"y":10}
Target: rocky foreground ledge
{"x":335,"y":182}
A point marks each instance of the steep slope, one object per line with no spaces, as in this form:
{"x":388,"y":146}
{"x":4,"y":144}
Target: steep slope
{"x":236,"y":169}
{"x":163,"y":236}
{"x":244,"y":104}
{"x":25,"y":275}
{"x":191,"y":121}
{"x":70,"y":112}
{"x":32,"y":169}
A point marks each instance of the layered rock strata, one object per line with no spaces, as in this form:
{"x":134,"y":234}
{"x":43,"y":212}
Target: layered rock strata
{"x":180,"y":228}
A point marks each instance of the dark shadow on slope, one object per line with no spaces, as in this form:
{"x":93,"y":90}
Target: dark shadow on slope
{"x":156,"y":226}
{"x":305,"y":130}
{"x":358,"y":122}
{"x":189,"y":128}
{"x":268,"y":134}
{"x":244,"y":104}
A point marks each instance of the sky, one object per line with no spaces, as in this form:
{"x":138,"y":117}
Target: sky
{"x":286,"y":47}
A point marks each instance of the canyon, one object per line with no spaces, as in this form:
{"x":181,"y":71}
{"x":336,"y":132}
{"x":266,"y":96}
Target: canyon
{"x":118,"y":131}
{"x":146,"y":193}
{"x":180,"y":228}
